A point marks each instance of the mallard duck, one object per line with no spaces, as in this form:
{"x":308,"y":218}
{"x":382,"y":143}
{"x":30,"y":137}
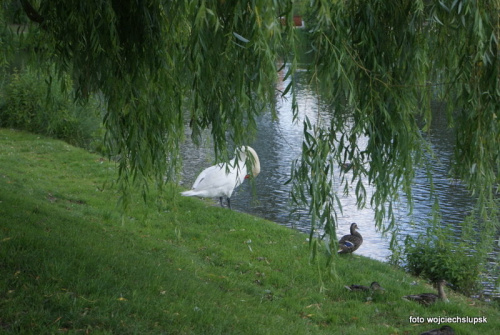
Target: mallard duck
{"x":444,"y":330}
{"x":346,"y":166}
{"x":374,"y":286}
{"x":350,"y":243}
{"x":429,"y":298}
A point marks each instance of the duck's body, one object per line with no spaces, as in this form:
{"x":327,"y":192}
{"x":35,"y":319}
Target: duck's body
{"x":220,"y":180}
{"x":429,"y":298}
{"x":357,"y":288}
{"x":374,"y":286}
{"x":444,"y":330}
{"x":423,"y":298}
{"x":346,"y":166}
{"x":350,"y":243}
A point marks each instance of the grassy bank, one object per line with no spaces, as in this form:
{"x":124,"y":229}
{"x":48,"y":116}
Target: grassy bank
{"x":69,"y":263}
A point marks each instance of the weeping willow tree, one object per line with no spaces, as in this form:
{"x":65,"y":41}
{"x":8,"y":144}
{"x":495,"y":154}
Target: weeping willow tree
{"x":383,"y":62}
{"x":153,"y":60}
{"x":377,"y":62}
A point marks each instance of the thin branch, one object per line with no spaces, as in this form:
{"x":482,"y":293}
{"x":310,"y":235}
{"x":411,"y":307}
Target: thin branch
{"x":31,"y":12}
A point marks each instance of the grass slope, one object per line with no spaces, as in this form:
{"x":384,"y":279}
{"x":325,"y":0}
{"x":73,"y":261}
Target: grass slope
{"x":70,"y":263}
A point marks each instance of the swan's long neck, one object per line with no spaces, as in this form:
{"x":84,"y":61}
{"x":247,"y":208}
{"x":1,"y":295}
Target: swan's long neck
{"x":255,"y":163}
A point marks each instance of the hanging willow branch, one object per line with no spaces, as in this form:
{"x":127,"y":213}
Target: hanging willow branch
{"x":378,"y":63}
{"x":31,"y":12}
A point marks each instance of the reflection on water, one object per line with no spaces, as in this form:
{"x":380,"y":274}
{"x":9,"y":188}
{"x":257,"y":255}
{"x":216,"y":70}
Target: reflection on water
{"x":278,"y":143}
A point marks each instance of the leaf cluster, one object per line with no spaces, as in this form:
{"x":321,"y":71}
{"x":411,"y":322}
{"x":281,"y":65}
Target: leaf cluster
{"x":440,"y":255}
{"x":379,"y":64}
{"x":162,"y":64}
{"x":232,"y":55}
{"x":466,"y":45}
{"x":30,"y":103}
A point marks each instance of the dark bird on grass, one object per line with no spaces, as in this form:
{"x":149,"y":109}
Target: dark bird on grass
{"x":350,"y":243}
{"x":444,"y":330}
{"x":374,"y":286}
{"x":427,"y":299}
{"x":220,"y":180}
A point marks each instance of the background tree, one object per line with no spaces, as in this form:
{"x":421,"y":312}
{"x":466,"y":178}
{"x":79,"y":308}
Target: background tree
{"x":377,"y":62}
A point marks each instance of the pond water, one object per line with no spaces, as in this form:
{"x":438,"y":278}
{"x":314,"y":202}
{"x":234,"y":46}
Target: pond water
{"x":278,"y":143}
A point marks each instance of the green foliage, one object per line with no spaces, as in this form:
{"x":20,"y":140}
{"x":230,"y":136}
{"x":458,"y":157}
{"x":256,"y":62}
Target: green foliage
{"x":4,"y":41}
{"x":323,"y":202}
{"x":465,"y":43}
{"x":440,"y":254}
{"x":233,"y":52}
{"x":130,"y":54}
{"x":31,"y":103}
{"x":154,"y":60}
{"x":14,"y":13}
{"x":369,"y":64}
{"x":379,"y":63}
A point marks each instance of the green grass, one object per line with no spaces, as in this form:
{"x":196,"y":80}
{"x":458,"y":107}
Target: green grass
{"x":71,"y":263}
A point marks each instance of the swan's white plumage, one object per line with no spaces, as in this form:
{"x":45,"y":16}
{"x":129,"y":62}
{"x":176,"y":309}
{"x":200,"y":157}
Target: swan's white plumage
{"x":220,"y":180}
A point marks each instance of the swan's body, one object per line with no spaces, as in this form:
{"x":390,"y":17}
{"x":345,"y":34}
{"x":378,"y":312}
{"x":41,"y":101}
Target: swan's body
{"x":220,"y":180}
{"x":350,"y":243}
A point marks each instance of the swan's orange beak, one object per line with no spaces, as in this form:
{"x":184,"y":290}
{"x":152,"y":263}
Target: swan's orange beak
{"x":247,"y":176}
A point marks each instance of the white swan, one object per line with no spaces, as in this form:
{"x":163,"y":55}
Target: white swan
{"x":221,"y":179}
